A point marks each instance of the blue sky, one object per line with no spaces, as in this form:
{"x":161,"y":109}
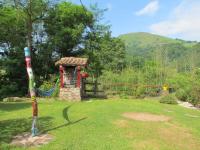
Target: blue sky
{"x":172,"y":18}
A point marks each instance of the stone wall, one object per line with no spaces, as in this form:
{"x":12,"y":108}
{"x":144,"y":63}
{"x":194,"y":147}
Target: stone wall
{"x":70,"y":93}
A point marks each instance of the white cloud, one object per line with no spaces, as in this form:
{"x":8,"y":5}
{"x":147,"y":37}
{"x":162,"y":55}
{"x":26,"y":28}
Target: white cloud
{"x":183,"y":22}
{"x":150,"y":9}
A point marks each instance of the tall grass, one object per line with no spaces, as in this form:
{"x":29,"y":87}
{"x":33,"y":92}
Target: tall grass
{"x":130,"y":82}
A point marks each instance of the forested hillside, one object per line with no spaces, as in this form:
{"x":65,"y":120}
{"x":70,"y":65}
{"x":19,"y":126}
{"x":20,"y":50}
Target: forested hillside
{"x":148,"y":46}
{"x":153,"y":61}
{"x":141,"y":43}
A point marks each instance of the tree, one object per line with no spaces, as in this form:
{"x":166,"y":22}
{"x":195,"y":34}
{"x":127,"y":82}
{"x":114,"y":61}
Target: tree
{"x":30,"y":22}
{"x":104,"y":51}
{"x":12,"y":33}
{"x":65,"y":25}
{"x":109,"y":55}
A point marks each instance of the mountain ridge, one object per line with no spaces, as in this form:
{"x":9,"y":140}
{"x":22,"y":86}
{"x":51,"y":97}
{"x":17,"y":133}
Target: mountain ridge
{"x":152,"y":37}
{"x":143,"y":43}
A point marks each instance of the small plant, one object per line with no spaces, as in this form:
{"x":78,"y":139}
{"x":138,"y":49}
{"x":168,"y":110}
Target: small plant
{"x":182,"y":95}
{"x":194,"y":96}
{"x":169,"y":99}
{"x":140,"y":92}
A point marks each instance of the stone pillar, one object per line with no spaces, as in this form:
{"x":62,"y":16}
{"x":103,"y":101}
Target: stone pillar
{"x":70,"y":93}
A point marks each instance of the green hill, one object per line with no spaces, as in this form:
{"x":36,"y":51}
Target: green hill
{"x":144,"y":44}
{"x":143,"y":39}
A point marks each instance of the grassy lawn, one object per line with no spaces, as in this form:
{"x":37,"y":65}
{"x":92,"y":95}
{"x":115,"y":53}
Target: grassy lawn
{"x":99,"y":125}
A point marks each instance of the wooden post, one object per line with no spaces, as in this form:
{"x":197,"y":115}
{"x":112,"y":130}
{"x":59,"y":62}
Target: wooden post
{"x":61,"y":76}
{"x":78,"y":82}
{"x":83,"y":88}
{"x":95,"y":87}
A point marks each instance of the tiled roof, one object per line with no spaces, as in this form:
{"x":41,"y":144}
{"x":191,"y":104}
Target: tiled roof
{"x":72,"y":61}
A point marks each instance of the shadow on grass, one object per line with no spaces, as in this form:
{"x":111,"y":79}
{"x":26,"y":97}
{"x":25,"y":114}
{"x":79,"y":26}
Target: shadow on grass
{"x":12,"y":127}
{"x":14,"y":106}
{"x":66,"y":117}
{"x":64,"y":125}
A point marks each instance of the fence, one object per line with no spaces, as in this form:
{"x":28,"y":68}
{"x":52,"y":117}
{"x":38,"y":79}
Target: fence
{"x":130,"y":89}
{"x":91,"y":89}
{"x":96,"y":89}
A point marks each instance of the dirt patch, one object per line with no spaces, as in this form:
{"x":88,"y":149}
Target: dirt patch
{"x":147,"y":144}
{"x":121,"y":123}
{"x":27,"y":140}
{"x":179,"y":137}
{"x":145,"y":116}
{"x":170,"y":136}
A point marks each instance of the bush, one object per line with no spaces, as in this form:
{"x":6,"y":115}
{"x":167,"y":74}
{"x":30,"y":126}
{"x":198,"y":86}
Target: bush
{"x":194,"y":96}
{"x":182,"y":95}
{"x":140,"y":92}
{"x":47,"y":85}
{"x":169,"y":99}
{"x":11,"y":90}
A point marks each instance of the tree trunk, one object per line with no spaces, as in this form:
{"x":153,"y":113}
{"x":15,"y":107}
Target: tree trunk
{"x":29,"y":25}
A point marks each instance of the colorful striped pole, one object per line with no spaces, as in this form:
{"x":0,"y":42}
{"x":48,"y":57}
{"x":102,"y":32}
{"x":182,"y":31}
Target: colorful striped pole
{"x":31,"y":90}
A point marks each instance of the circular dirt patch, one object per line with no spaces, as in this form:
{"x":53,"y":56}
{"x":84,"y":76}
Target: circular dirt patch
{"x":145,"y":117}
{"x":26,"y":139}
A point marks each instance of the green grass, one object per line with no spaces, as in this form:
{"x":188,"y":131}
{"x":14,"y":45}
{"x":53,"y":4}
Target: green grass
{"x":99,"y":125}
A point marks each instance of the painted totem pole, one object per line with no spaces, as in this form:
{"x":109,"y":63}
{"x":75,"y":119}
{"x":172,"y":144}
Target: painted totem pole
{"x":31,"y":90}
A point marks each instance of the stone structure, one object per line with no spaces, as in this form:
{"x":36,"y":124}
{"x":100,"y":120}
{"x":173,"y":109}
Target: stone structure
{"x":70,"y":93}
{"x":71,"y":78}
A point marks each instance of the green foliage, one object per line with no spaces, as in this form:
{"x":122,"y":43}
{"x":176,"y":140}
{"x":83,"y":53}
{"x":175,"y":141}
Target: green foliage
{"x":16,"y":18}
{"x":104,"y":51}
{"x":165,"y":60}
{"x":142,"y":44}
{"x":180,"y":80}
{"x":65,"y":25}
{"x":189,"y":88}
{"x":53,"y":82}
{"x":169,"y":99}
{"x":9,"y":90}
{"x":129,"y":82}
{"x":109,"y":55}
{"x":182,"y":95}
{"x":65,"y":29}
{"x":56,"y":92}
{"x":140,"y":92}
{"x":13,"y":30}
{"x":195,"y":93}
{"x":46,"y":85}
{"x":12,"y":21}
{"x":14,"y":77}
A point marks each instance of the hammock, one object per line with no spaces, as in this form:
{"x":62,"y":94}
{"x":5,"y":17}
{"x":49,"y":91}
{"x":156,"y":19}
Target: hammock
{"x":49,"y":92}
